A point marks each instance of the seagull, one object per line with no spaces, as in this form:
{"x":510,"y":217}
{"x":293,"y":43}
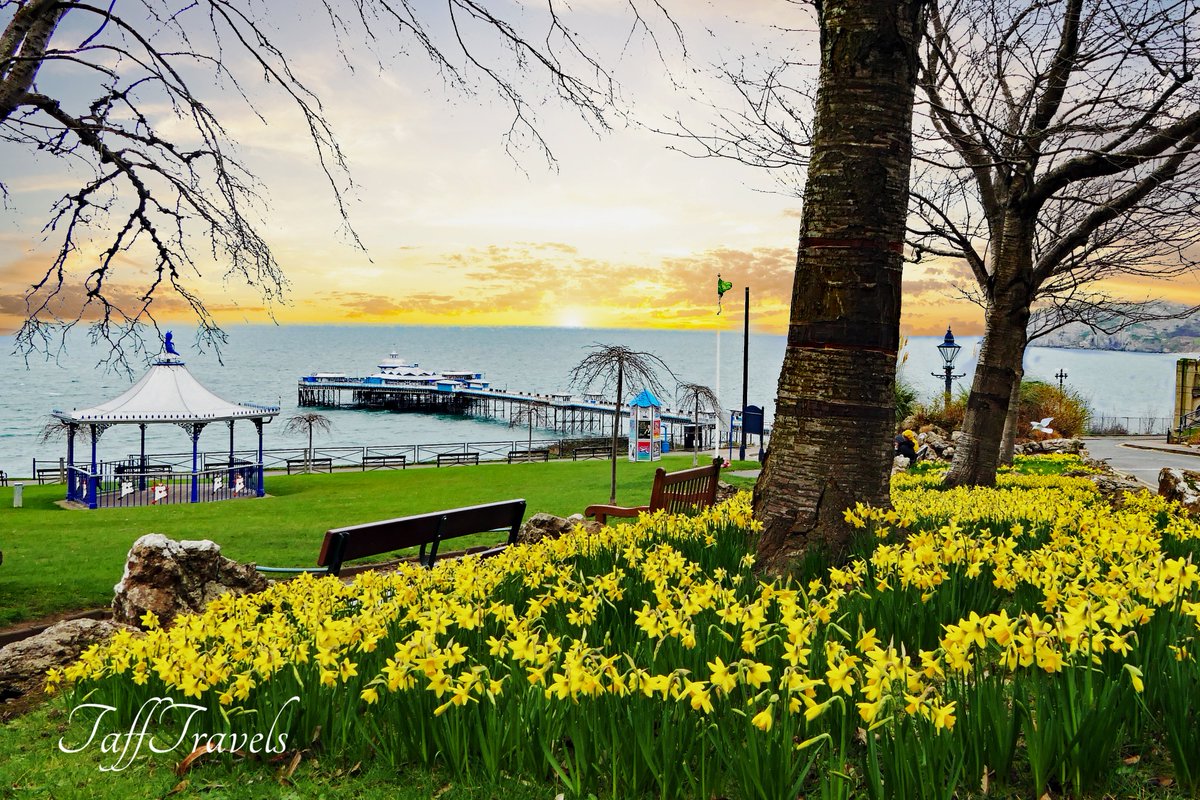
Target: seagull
{"x":1042,"y":426}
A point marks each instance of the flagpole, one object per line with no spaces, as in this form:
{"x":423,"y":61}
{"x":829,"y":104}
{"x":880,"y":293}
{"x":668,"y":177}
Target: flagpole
{"x":720,"y":411}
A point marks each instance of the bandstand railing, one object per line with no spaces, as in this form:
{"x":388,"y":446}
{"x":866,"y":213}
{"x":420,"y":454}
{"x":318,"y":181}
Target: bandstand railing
{"x":122,"y":485}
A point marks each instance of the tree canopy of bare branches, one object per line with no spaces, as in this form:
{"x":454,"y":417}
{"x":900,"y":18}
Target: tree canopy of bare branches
{"x":1061,"y":151}
{"x":124,"y":97}
{"x":609,"y":364}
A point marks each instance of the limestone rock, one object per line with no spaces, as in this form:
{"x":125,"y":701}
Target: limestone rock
{"x":23,"y":664}
{"x":547,"y":526}
{"x":954,"y":437}
{"x":899,"y":464}
{"x":1182,"y":486}
{"x":172,"y":578}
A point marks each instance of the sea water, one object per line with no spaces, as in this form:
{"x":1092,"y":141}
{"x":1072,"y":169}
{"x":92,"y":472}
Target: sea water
{"x":262,"y":364}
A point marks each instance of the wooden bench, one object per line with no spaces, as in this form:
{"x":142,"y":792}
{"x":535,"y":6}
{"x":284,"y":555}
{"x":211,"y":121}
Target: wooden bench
{"x":384,"y":462}
{"x":426,"y":531}
{"x":48,"y":475}
{"x":309,"y":465}
{"x":686,"y":490}
{"x":457,"y":458}
{"x":604,"y":451}
{"x":528,"y":455}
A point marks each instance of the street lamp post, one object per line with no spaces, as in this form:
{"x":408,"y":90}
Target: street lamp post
{"x":949,"y":351}
{"x":1062,"y":376}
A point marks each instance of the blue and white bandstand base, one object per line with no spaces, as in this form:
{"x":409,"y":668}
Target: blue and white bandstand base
{"x":167,"y":394}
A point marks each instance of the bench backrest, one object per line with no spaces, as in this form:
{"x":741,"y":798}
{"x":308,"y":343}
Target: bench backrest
{"x":422,"y":530}
{"x":687,"y":489}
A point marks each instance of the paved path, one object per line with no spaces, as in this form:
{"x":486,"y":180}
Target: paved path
{"x":1142,"y":456}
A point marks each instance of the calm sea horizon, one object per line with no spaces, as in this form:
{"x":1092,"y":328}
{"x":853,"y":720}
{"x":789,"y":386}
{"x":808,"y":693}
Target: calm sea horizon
{"x":262,"y":363}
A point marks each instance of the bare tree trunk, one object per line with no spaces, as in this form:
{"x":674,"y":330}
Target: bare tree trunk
{"x":612,"y":485}
{"x":977,"y":453}
{"x":1008,"y":440}
{"x":831,"y":444}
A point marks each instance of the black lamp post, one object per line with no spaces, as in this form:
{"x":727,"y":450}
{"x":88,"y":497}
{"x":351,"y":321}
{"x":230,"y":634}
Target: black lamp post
{"x":949,"y":351}
{"x":1062,"y":376}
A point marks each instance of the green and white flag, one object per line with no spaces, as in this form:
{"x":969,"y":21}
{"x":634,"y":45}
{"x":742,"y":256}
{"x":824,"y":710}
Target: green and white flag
{"x":722,"y":288}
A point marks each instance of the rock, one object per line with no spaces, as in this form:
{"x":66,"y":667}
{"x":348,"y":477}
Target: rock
{"x":23,"y":664}
{"x":899,"y":464}
{"x":725,"y":491}
{"x":547,"y":526}
{"x":1182,"y":486}
{"x":936,"y":442}
{"x":1071,"y":446}
{"x":909,"y":423}
{"x":954,"y":437}
{"x":948,"y":453}
{"x":172,"y":578}
{"x":1115,"y":487}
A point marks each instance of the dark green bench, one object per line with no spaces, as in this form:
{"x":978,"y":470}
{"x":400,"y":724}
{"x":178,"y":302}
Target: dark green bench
{"x":424,"y":531}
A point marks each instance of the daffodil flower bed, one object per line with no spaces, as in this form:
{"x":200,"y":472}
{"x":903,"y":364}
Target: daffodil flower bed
{"x":1029,"y":633}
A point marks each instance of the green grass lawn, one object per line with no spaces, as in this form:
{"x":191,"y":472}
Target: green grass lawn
{"x":31,"y":765}
{"x":58,"y":560}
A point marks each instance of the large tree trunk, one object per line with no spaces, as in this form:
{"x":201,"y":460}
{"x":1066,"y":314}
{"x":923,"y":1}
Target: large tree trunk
{"x":977,"y":453}
{"x":834,"y":416}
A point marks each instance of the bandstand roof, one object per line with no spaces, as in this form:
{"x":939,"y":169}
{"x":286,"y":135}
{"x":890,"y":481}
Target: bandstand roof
{"x":166,"y":393}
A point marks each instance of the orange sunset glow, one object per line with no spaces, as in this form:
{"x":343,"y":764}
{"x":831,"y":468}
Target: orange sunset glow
{"x":622,"y":230}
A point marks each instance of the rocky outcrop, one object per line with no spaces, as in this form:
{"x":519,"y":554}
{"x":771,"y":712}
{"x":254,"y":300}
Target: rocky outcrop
{"x":547,"y":526}
{"x":171,"y":578}
{"x":23,"y":664}
{"x":1182,"y":486}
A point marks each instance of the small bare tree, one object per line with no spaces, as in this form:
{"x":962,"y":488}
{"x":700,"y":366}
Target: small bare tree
{"x":307,"y":422}
{"x":613,"y":363}
{"x":700,"y":399}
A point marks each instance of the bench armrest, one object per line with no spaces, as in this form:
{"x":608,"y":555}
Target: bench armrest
{"x":602,"y":513}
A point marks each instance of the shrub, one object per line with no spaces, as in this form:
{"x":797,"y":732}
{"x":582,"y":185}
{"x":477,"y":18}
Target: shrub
{"x":1040,"y":400}
{"x":947,"y":417}
{"x":906,"y":398}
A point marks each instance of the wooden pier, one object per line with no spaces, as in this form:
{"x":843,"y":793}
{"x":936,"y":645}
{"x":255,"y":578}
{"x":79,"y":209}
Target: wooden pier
{"x":562,"y":413}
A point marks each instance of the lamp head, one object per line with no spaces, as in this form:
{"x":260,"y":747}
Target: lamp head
{"x":949,"y":349}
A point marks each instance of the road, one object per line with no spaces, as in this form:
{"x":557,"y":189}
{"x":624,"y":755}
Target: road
{"x":1129,"y":456}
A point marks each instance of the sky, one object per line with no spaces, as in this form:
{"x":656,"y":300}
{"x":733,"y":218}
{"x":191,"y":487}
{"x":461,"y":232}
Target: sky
{"x":460,"y":227}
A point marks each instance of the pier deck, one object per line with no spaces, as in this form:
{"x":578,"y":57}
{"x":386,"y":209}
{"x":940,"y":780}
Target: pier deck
{"x":557,"y":412}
